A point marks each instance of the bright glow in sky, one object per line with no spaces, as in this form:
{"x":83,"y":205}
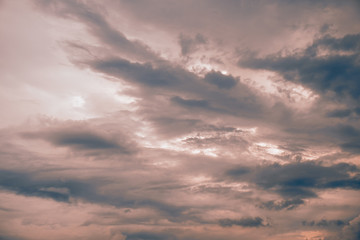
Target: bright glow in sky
{"x":77,"y":102}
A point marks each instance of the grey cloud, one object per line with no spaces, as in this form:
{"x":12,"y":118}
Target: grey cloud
{"x":220,"y":80}
{"x":295,"y":192}
{"x":357,"y":110}
{"x":299,"y":180}
{"x":216,"y":19}
{"x":350,"y":42}
{"x":165,"y":185}
{"x":346,"y":131}
{"x":6,"y":209}
{"x":336,"y":73}
{"x":202,"y":134}
{"x":170,"y":126}
{"x":82,"y":141}
{"x":353,"y":147}
{"x":144,"y":74}
{"x":179,"y":80}
{"x":350,"y":229}
{"x":149,"y":236}
{"x":351,"y":232}
{"x":82,"y":138}
{"x":343,"y":135}
{"x":159,"y":73}
{"x":348,"y":135}
{"x":204,"y":104}
{"x":324,"y":28}
{"x":238,"y":171}
{"x":191,"y":102}
{"x":21,"y":183}
{"x":87,"y":189}
{"x":339,"y":113}
{"x":288,"y":204}
{"x":97,"y":24}
{"x":189,"y":44}
{"x":326,"y":223}
{"x":4,"y":237}
{"x":219,"y":139}
{"x":243,"y":222}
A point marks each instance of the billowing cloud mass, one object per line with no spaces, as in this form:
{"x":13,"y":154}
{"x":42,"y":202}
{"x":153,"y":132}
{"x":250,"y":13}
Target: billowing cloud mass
{"x":139,"y":120}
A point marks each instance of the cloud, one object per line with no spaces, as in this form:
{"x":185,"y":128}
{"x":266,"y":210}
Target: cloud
{"x":172,"y":79}
{"x":220,"y":80}
{"x":349,"y":136}
{"x":350,"y":42}
{"x":352,"y":231}
{"x":326,"y":223}
{"x":4,"y":237}
{"x":144,"y":74}
{"x":80,"y":137}
{"x":339,"y":113}
{"x":58,"y":188}
{"x":149,"y":236}
{"x":353,"y":147}
{"x":21,"y":183}
{"x":187,"y":151}
{"x":191,"y":102}
{"x":288,"y":204}
{"x":298,"y":180}
{"x":189,"y":44}
{"x":333,"y":72}
{"x":172,"y":126}
{"x":243,"y":222}
{"x":98,"y":26}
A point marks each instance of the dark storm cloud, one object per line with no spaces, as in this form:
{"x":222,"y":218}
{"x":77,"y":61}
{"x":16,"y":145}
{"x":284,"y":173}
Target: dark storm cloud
{"x":339,"y":113}
{"x":190,"y":44}
{"x":218,"y":140}
{"x":239,"y":171}
{"x":333,"y":72}
{"x":98,"y":25}
{"x":353,"y":147}
{"x":166,"y":77}
{"x":350,"y":42}
{"x":4,"y":237}
{"x":82,"y":141}
{"x":346,"y":131}
{"x":191,"y":102}
{"x":351,"y":232}
{"x":357,"y":110}
{"x":79,"y":137}
{"x":349,"y":136}
{"x":220,"y":80}
{"x":21,"y":183}
{"x":149,"y":236}
{"x":288,"y":204}
{"x":145,"y":74}
{"x":200,"y":104}
{"x":344,"y":135}
{"x":215,"y":134}
{"x":62,"y":189}
{"x":243,"y":222}
{"x":326,"y":223}
{"x":299,"y":180}
{"x":171,"y":126}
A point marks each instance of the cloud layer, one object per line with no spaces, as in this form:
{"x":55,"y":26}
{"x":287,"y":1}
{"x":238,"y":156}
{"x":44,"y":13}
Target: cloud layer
{"x":179,"y":120}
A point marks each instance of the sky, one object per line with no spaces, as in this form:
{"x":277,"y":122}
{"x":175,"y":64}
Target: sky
{"x":179,"y":120}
